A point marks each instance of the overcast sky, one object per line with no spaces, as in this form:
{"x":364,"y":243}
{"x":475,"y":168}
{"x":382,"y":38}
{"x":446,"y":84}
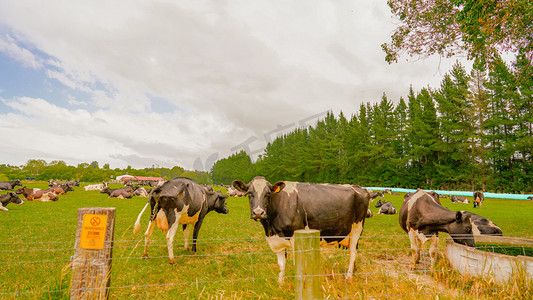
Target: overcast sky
{"x":168,"y":83}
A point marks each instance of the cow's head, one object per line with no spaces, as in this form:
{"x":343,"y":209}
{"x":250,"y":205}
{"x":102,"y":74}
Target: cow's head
{"x":17,"y":182}
{"x":461,"y":229}
{"x":259,"y":191}
{"x":220,"y":202}
{"x":15,"y":199}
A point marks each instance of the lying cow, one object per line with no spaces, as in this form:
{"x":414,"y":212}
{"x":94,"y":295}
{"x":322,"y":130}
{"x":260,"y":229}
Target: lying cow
{"x":457,"y":199}
{"x":121,"y":193}
{"x":374,"y":195}
{"x":482,"y":226}
{"x":9,"y":198}
{"x":232,"y":192}
{"x":37,"y":194}
{"x":386,"y":207}
{"x":338,"y":211}
{"x":179,"y":201}
{"x":479,"y":197}
{"x":95,"y":187}
{"x":9,"y":185}
{"x":141,"y":192}
{"x":390,"y":192}
{"x":422,"y":216}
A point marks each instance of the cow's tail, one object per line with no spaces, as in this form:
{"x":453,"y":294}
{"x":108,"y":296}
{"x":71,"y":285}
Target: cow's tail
{"x":137,"y":226}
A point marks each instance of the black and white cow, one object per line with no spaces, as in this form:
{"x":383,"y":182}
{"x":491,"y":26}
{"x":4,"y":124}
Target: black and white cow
{"x":390,"y":192}
{"x":458,"y":199}
{"x":9,"y":198}
{"x":338,"y":211}
{"x":9,"y":185}
{"x":374,"y":195}
{"x":179,"y":201}
{"x":386,"y":207}
{"x":482,"y":225}
{"x":422,"y":216}
{"x":479,"y":197}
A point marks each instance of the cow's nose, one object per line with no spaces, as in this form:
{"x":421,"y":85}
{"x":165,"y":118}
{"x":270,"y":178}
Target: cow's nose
{"x":258,"y":213}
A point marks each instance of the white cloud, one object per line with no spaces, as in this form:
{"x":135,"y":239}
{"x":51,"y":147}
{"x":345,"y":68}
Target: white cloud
{"x":8,"y":46}
{"x":223,"y":72}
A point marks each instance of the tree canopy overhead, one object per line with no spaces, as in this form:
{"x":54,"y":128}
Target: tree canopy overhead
{"x":478,"y":28}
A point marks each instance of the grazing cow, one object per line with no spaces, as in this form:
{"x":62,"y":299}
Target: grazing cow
{"x":422,"y":216}
{"x":483,"y":226}
{"x":95,"y":187}
{"x":9,"y":198}
{"x":180,"y":201}
{"x":530,"y":198}
{"x":9,"y":185}
{"x":456,"y":199}
{"x":479,"y":197}
{"x":338,"y":211}
{"x":37,"y":194}
{"x":386,"y":207}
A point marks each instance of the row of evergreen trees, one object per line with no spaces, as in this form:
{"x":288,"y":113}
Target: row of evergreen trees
{"x":474,"y":132}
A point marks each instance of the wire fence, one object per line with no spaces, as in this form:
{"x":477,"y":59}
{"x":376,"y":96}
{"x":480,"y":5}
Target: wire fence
{"x":246,"y":268}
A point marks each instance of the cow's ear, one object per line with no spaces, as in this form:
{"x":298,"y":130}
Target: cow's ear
{"x":278,"y":186}
{"x":458,"y":217}
{"x":240,"y":186}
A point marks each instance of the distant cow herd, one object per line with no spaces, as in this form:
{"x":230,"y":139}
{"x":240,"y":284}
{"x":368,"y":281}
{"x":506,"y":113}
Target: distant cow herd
{"x":338,"y":211}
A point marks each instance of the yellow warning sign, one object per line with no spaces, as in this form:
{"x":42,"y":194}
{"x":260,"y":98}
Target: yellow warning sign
{"x":93,"y":231}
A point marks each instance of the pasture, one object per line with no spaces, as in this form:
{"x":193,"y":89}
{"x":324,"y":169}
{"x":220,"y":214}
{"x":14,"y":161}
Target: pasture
{"x":233,"y":259}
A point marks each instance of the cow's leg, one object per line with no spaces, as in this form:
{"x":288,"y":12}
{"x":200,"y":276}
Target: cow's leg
{"x":415,"y":248}
{"x":279,"y":246}
{"x":282,"y":260}
{"x":186,"y":237}
{"x":433,"y":249}
{"x":195,"y":233}
{"x":173,"y":218}
{"x":355,"y":234}
{"x":147,"y":236}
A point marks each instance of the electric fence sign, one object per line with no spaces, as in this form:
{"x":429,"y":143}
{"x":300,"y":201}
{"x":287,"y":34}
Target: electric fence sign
{"x":93,"y":231}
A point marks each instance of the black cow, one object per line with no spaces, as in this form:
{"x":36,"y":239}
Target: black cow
{"x":479,"y":197}
{"x":338,"y":211}
{"x":483,"y":226}
{"x":123,"y":192}
{"x":422,"y":216}
{"x":179,"y":201}
{"x":9,"y":185}
{"x":9,"y":198}
{"x":386,"y":207}
{"x":457,"y":199}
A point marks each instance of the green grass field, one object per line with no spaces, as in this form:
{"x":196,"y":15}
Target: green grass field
{"x":233,"y":259}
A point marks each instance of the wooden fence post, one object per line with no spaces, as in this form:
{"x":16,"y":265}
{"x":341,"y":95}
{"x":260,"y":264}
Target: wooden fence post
{"x":91,"y":263}
{"x":307,"y":257}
